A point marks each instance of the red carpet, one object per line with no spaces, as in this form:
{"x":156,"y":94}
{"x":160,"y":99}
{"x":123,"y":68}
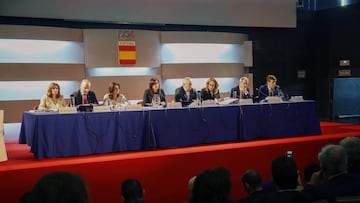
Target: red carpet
{"x":163,"y":173}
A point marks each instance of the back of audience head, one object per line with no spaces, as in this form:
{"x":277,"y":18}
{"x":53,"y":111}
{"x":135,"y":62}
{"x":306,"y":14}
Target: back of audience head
{"x":58,"y":187}
{"x":251,"y":180}
{"x":132,"y":191}
{"x":284,"y":173}
{"x":309,"y":170}
{"x":212,"y":186}
{"x":333,"y":160}
{"x":352,"y":147}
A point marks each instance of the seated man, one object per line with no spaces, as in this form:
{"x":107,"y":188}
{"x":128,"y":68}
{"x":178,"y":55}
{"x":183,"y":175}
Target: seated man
{"x":241,"y":91}
{"x":185,"y":94}
{"x":285,"y":176}
{"x":338,"y":182}
{"x":85,"y":95}
{"x":352,"y":147}
{"x":251,"y":180}
{"x":57,"y":187}
{"x":132,"y":191}
{"x":268,"y":89}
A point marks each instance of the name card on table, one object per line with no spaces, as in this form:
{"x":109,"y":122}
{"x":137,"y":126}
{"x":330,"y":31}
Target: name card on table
{"x":133,"y":107}
{"x":101,"y":108}
{"x":245,"y":101}
{"x":65,"y":110}
{"x":209,"y":102}
{"x":274,"y":99}
{"x":174,"y":105}
{"x":296,"y":98}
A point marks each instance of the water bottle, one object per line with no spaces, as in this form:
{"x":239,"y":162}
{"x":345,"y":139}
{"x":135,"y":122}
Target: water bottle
{"x":72,"y":100}
{"x":234,"y":93}
{"x":156,"y":100}
{"x":198,"y":98}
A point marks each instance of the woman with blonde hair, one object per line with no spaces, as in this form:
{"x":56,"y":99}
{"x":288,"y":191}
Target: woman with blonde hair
{"x":211,"y":90}
{"x":53,"y":99}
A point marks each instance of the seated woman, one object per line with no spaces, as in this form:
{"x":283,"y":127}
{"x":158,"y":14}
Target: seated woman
{"x":241,"y":91}
{"x":53,"y":100}
{"x":154,"y":95}
{"x":114,"y":98}
{"x":211,"y":90}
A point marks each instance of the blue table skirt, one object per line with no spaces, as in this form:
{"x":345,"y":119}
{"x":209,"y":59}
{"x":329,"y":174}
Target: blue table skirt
{"x":61,"y":135}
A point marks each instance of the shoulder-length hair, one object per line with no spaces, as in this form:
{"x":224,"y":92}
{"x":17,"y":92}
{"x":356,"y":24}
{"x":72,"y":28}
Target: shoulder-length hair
{"x":152,"y":82}
{"x":112,"y":89}
{"x":51,"y":86}
{"x":216,"y":89}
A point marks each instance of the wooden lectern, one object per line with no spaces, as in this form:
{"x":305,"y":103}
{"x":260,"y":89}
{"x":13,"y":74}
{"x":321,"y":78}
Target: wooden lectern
{"x":3,"y":155}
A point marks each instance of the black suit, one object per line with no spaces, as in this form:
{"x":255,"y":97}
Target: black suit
{"x":205,"y":95}
{"x":148,"y":96}
{"x":237,"y":90}
{"x":91,"y":98}
{"x":180,"y":95}
{"x":338,"y":186}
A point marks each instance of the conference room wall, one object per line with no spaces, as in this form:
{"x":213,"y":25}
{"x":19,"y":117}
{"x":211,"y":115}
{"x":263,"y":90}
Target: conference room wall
{"x":11,"y":73}
{"x":101,"y":48}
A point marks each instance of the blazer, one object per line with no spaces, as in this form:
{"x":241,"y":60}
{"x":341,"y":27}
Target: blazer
{"x":120,"y":100}
{"x":148,"y":97}
{"x":264,"y":92}
{"x":205,"y":95}
{"x":91,"y":98}
{"x":237,"y":90}
{"x":346,"y":184}
{"x":180,"y":95}
{"x":47,"y":104}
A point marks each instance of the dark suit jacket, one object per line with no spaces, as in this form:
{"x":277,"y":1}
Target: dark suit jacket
{"x":91,"y":98}
{"x":237,"y":90}
{"x":148,"y":96}
{"x":285,"y":197}
{"x":205,"y":95}
{"x":339,"y":186}
{"x":180,"y":95}
{"x":254,"y":197}
{"x":264,"y":92}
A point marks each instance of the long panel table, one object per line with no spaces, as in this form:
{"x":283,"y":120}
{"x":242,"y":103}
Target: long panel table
{"x":61,"y":135}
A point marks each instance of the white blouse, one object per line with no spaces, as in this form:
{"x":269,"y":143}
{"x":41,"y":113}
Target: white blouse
{"x":47,"y":104}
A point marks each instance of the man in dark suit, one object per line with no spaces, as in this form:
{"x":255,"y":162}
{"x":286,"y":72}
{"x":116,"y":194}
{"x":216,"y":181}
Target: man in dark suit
{"x":285,"y":176}
{"x":338,"y":182}
{"x":251,"y":180}
{"x":268,"y":89}
{"x":185,"y":93}
{"x":84,"y":95}
{"x":241,"y":91}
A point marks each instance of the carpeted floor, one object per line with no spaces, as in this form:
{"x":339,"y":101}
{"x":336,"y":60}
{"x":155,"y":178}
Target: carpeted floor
{"x":164,"y":173}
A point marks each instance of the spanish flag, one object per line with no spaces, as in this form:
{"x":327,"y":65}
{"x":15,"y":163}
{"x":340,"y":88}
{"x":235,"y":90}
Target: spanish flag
{"x":127,"y":52}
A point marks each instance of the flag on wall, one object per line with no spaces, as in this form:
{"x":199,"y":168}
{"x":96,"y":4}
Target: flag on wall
{"x":127,"y":47}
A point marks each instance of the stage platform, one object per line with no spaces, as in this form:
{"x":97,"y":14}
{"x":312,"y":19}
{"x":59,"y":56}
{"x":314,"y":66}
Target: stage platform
{"x":164,"y":173}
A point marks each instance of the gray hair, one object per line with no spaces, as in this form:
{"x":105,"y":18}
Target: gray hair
{"x":333,"y":159}
{"x":352,"y":147}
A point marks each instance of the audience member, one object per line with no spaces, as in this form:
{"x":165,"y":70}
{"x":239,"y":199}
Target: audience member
{"x":337,"y":181}
{"x":114,"y":98}
{"x":53,"y":99}
{"x":241,"y":91}
{"x":268,"y":89}
{"x":309,"y":170}
{"x":132,"y":191}
{"x":251,"y":181}
{"x":285,"y":176}
{"x":85,"y":95}
{"x":185,"y":94}
{"x":212,"y":186}
{"x":352,"y":148}
{"x":211,"y":90}
{"x":57,"y":187}
{"x":154,"y":95}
